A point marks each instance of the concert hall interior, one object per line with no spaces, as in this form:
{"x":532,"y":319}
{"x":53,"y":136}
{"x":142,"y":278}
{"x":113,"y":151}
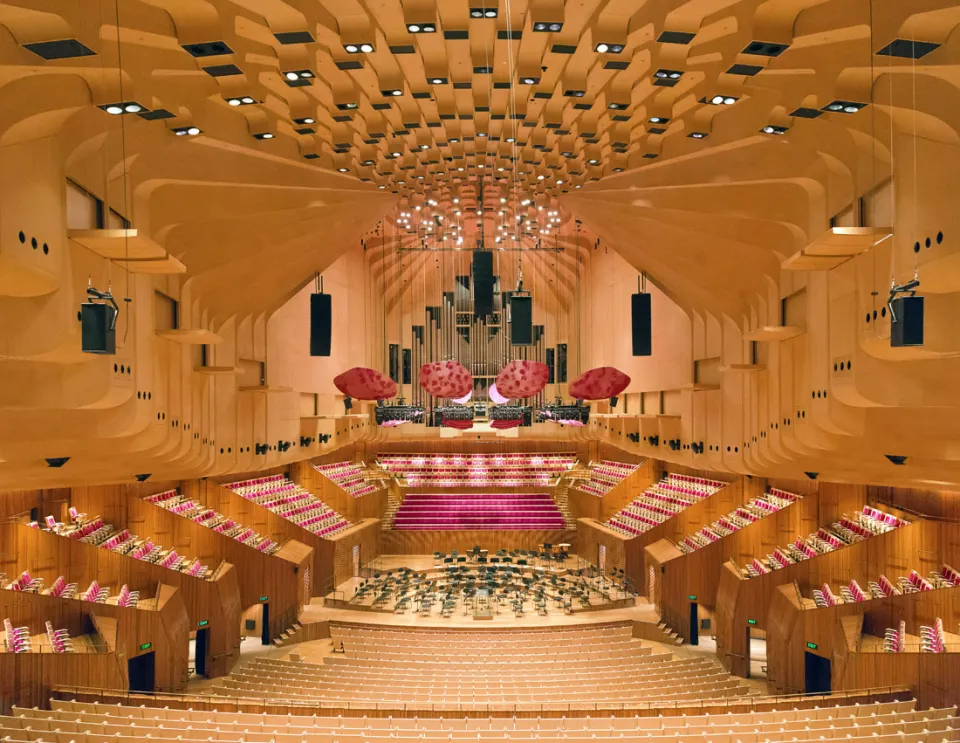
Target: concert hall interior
{"x":479,"y":369}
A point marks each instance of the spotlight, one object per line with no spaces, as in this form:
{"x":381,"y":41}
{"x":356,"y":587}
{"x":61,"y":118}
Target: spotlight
{"x":723,"y":100}
{"x":186,"y":131}
{"x":776,"y":130}
{"x":298,"y":78}
{"x":593,"y":162}
{"x":575,"y":93}
{"x":264,"y":135}
{"x":530,"y":80}
{"x":347,"y":106}
{"x":608,"y":48}
{"x":666,"y":78}
{"x":544,"y":27}
{"x":391,"y":92}
{"x":305,"y":120}
{"x":421,"y":28}
{"x":658,"y":119}
{"x":245,"y":100}
{"x":344,"y":170}
{"x":697,"y":135}
{"x":844,"y":107}
{"x":438,"y":81}
{"x":618,"y":106}
{"x":359,"y":48}
{"x":483,"y":12}
{"x":124,"y":107}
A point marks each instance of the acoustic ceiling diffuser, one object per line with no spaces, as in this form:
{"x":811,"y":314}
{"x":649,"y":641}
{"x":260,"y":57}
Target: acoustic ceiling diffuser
{"x":362,"y":383}
{"x":599,"y":384}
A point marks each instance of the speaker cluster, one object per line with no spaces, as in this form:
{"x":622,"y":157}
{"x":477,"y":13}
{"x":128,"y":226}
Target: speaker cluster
{"x":305,"y":441}
{"x":653,"y":440}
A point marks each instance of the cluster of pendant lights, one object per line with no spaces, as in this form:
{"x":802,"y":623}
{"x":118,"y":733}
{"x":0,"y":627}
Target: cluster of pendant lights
{"x":451,"y":380}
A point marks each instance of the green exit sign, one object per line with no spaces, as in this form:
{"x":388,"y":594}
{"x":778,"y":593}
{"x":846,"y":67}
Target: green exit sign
{"x":203,"y":622}
{"x":264,"y":598}
{"x":146,"y":645}
{"x":812,"y":645}
{"x":692,"y":598}
{"x":751,"y":621}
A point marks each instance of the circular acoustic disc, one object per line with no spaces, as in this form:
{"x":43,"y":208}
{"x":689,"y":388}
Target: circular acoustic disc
{"x":361,"y":383}
{"x":465,"y":399}
{"x":446,"y":379}
{"x":599,"y":384}
{"x":522,"y":378}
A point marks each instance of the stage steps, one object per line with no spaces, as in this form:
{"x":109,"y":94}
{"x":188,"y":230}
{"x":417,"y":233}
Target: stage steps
{"x":393,"y":505}
{"x":671,"y":637}
{"x":560,"y":496}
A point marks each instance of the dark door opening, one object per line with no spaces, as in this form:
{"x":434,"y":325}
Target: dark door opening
{"x":817,"y":672}
{"x":265,"y":625}
{"x":200,"y":651}
{"x":694,"y":623}
{"x":141,"y":672}
{"x":749,"y":657}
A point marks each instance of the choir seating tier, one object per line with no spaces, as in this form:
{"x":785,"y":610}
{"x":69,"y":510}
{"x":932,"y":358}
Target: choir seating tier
{"x":499,"y":511}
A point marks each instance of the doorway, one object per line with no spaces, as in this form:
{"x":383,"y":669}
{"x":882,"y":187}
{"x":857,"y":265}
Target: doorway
{"x":756,"y":653}
{"x":200,"y":651}
{"x":265,"y":625}
{"x":817,"y":674}
{"x":694,"y":623}
{"x":141,"y":672}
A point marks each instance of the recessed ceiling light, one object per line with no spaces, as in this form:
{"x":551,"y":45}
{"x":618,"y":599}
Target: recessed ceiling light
{"x":530,"y":80}
{"x":593,"y":162}
{"x":772,"y":129}
{"x":421,"y":28}
{"x":845,"y":107}
{"x":264,"y":135}
{"x":124,"y":107}
{"x":666,"y":78}
{"x":366,"y":48}
{"x":659,"y":119}
{"x":305,"y":120}
{"x":351,"y":48}
{"x":697,"y":135}
{"x":343,"y":170}
{"x":571,"y":93}
{"x":618,"y":106}
{"x":186,"y":131}
{"x":608,"y":48}
{"x":438,"y":80}
{"x":546,"y":27}
{"x":723,"y":100}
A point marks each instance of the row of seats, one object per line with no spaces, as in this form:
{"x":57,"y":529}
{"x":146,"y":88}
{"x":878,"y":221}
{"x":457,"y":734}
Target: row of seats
{"x":737,"y":519}
{"x":18,"y":639}
{"x":25,"y":583}
{"x":883,"y":587}
{"x":172,"y":501}
{"x":932,"y":639}
{"x":848,"y":530}
{"x":471,"y":669}
{"x":605,"y":475}
{"x":348,"y":476}
{"x":106,"y":536}
{"x":669,"y":497}
{"x":427,"y":511}
{"x":290,"y":501}
{"x":92,"y":722}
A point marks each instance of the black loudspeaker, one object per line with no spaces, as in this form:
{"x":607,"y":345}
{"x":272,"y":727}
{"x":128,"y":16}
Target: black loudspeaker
{"x":521,"y":320}
{"x":98,"y":328}
{"x":551,"y":365}
{"x":482,"y":282}
{"x":640,"y":314}
{"x":321,"y":324}
{"x":561,"y":362}
{"x":906,"y":325}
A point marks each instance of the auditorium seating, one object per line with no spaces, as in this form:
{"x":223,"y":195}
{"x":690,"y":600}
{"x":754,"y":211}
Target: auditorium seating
{"x":883,"y":587}
{"x":831,"y":719}
{"x":672,"y":495}
{"x":423,"y":511}
{"x":605,"y":475}
{"x":461,"y":470}
{"x":848,"y":530}
{"x":172,"y":501}
{"x":737,"y":519}
{"x":348,"y":476}
{"x":287,"y":499}
{"x":109,"y":537}
{"x":470,"y":668}
{"x":19,"y":640}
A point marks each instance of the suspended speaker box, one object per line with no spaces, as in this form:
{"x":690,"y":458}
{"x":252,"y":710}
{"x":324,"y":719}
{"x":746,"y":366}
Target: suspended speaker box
{"x":321,"y":322}
{"x":482,"y":282}
{"x":98,"y":328}
{"x":640,"y":315}
{"x":906,"y":326}
{"x":521,"y":320}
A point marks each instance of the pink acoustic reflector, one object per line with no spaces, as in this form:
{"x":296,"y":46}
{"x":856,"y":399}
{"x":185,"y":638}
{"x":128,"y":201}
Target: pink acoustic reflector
{"x":599,"y":384}
{"x":465,"y":399}
{"x":446,"y":379}
{"x":361,"y":383}
{"x":522,"y":378}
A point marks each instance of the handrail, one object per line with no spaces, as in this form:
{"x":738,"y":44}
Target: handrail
{"x":313,"y":707}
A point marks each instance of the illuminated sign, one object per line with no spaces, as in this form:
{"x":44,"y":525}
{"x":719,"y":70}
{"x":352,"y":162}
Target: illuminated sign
{"x":146,"y":646}
{"x":203,"y":622}
{"x":751,"y":621}
{"x":812,"y":645}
